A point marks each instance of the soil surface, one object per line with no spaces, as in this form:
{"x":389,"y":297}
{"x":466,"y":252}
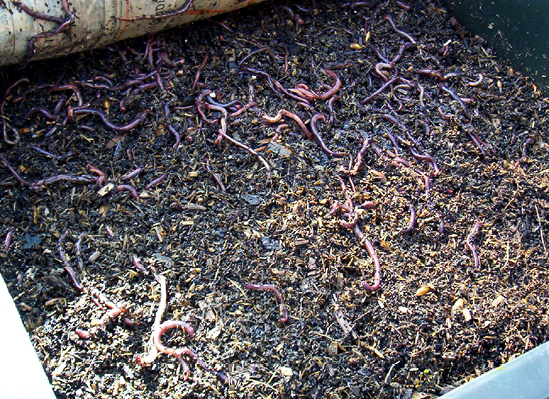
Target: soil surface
{"x":453,"y":135}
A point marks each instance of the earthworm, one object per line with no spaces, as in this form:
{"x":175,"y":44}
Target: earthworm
{"x":400,"y":53}
{"x":68,"y":268}
{"x":378,"y":69}
{"x":166,"y":326}
{"x":14,"y":172}
{"x":71,"y":87}
{"x":137,"y":263}
{"x":331,"y":102}
{"x":198,"y":103}
{"x":146,"y":86}
{"x":470,"y":245}
{"x":477,"y":141}
{"x":381,"y":89}
{"x":431,"y":73}
{"x":82,"y":333}
{"x":289,"y":115}
{"x":132,"y":174}
{"x":244,"y":108}
{"x":402,"y":5}
{"x":359,"y":157}
{"x":156,"y":181}
{"x":377,"y":52}
{"x":456,"y":97}
{"x":404,"y":34}
{"x":412,"y":224}
{"x":8,"y":240}
{"x":277,"y":294}
{"x":426,"y":158}
{"x":334,"y":89}
{"x":199,"y":71}
{"x":36,"y":14}
{"x":215,"y":176}
{"x":251,"y":54}
{"x":372,"y":252}
{"x":161,"y":15}
{"x":130,"y":189}
{"x":318,"y":137}
{"x":223,"y":133}
{"x":176,"y":135}
{"x":40,"y":110}
{"x":101,"y":178}
{"x":477,"y":82}
{"x":101,"y":115}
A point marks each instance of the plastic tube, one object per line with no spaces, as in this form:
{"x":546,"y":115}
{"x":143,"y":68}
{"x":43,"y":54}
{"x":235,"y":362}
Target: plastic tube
{"x":81,"y":25}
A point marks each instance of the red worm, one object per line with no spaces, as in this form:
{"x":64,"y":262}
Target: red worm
{"x":7,"y":241}
{"x":431,"y":73}
{"x":39,"y":110}
{"x":199,"y":72}
{"x":277,"y":294}
{"x":372,"y":252}
{"x":82,"y":333}
{"x":101,"y":178}
{"x":407,"y":36}
{"x":331,"y":102}
{"x":412,"y":224}
{"x":334,"y":89}
{"x":381,"y":89}
{"x":131,"y":175}
{"x":126,"y":187}
{"x":318,"y":137}
{"x":289,"y":115}
{"x":176,"y":135}
{"x":470,"y":245}
{"x":38,"y":15}
{"x":156,"y":181}
{"x":426,"y":158}
{"x":110,"y":125}
{"x":68,"y":268}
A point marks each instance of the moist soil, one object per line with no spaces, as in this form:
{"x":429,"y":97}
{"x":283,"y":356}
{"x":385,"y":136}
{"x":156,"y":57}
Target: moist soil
{"x":220,"y":219}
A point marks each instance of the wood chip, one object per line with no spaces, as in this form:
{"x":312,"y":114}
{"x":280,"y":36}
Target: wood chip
{"x":424,"y":289}
{"x":466,"y":314}
{"x":105,"y":189}
{"x":457,"y":305}
{"x":496,"y":302}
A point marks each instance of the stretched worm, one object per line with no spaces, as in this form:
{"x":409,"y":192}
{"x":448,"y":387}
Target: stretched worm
{"x":431,"y":73}
{"x":470,"y":245}
{"x":106,"y":122}
{"x":156,"y":181}
{"x":68,"y":268}
{"x":40,"y":110}
{"x":199,"y":71}
{"x":131,"y":175}
{"x":130,"y":189}
{"x":318,"y":137}
{"x":176,"y":135}
{"x":381,"y":89}
{"x":404,"y":34}
{"x":277,"y":294}
{"x":372,"y":252}
{"x":412,"y":224}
